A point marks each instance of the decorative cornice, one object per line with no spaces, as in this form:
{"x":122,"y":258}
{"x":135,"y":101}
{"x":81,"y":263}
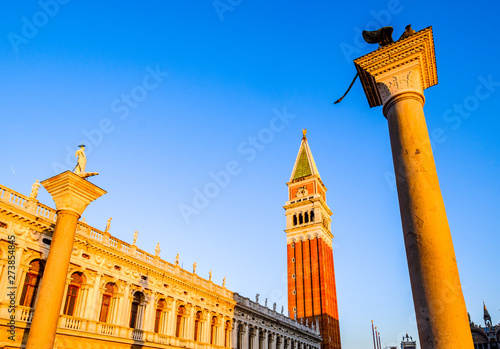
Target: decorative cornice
{"x":405,"y":64}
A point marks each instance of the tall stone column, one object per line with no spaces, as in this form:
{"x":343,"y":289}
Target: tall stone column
{"x":395,"y":75}
{"x":71,"y":194}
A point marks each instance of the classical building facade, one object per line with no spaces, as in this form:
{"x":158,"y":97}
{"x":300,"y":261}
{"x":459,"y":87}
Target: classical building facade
{"x":312,"y":295}
{"x":119,"y":296}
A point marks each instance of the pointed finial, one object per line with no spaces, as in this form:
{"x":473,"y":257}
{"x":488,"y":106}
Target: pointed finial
{"x":304,"y":132}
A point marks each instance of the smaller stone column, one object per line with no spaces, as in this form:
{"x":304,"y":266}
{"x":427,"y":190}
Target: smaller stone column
{"x":93,"y":310}
{"x":264,"y":340}
{"x":172,"y":316}
{"x":234,"y":334}
{"x":71,"y":194}
{"x":83,"y":300}
{"x":243,"y":336}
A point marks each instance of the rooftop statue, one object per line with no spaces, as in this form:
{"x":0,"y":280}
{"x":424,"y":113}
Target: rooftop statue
{"x":108,"y":225}
{"x":34,"y":189}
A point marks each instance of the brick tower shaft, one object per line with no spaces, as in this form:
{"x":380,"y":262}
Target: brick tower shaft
{"x":312,"y":296}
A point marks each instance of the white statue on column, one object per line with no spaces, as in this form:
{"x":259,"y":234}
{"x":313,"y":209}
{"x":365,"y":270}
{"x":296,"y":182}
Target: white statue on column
{"x":135,"y":237}
{"x":81,"y":160}
{"x":194,"y":268}
{"x":177,"y":259}
{"x":157,"y":249}
{"x":210,"y":275}
{"x":224,"y":282}
{"x":34,"y":189}
{"x":81,"y":163}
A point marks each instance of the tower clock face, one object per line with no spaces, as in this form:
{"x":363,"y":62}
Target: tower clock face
{"x":302,"y":191}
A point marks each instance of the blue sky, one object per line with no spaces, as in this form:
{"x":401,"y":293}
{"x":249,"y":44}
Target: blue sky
{"x":167,"y":95}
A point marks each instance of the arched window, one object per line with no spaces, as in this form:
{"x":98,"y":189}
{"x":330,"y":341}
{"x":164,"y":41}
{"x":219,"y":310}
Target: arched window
{"x":294,"y":219}
{"x":306,"y":217}
{"x":312,"y":215}
{"x":180,"y":321}
{"x":160,"y":308}
{"x":197,"y":325}
{"x":134,"y":309}
{"x":77,"y":279}
{"x":213,"y":330}
{"x":31,"y":283}
{"x":227,"y":329}
{"x":300,"y":218}
{"x":109,"y":291}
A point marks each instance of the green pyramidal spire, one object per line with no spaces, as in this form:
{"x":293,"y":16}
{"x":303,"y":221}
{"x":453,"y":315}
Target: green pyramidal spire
{"x":304,"y":164}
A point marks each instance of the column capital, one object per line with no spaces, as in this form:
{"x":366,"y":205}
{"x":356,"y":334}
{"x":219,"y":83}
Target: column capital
{"x":407,"y":65}
{"x":71,"y":192}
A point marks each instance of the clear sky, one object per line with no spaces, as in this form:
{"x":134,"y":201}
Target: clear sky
{"x":167,"y":95}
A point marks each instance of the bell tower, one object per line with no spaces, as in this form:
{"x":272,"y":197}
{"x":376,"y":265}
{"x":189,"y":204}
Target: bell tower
{"x":312,"y":295}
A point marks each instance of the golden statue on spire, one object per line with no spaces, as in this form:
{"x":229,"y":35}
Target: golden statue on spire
{"x":304,"y":132}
